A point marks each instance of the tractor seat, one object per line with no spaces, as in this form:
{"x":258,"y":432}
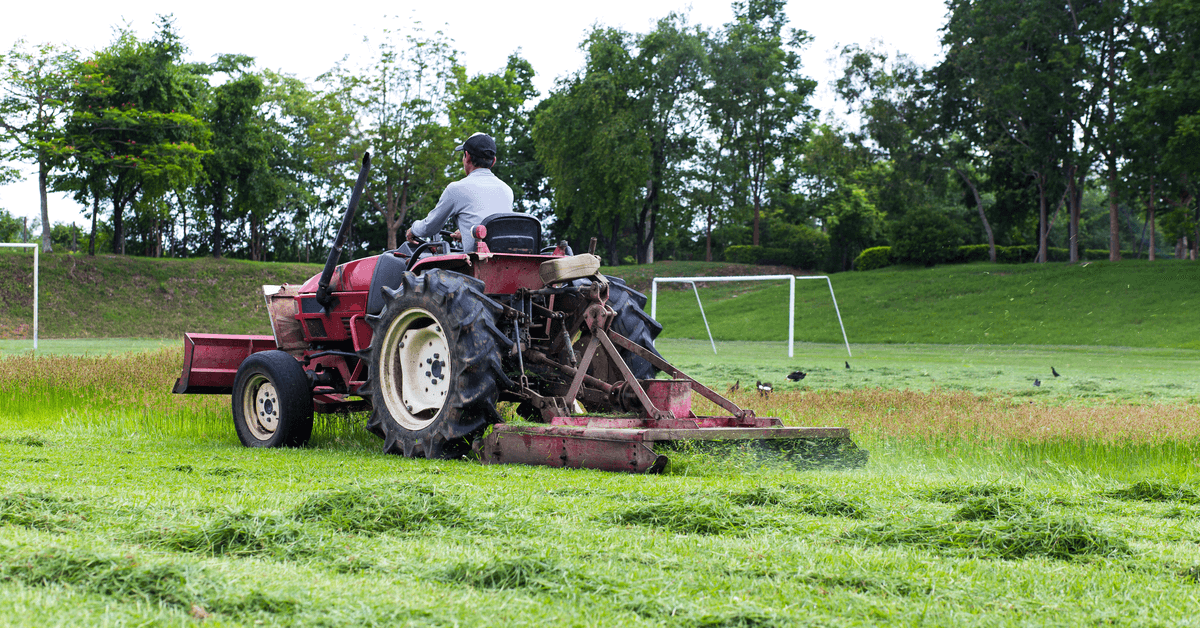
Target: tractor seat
{"x":513,"y":233}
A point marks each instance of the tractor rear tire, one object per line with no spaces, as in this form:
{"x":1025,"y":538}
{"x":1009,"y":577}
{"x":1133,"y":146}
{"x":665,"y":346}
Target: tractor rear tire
{"x":635,"y":324}
{"x":435,"y":365}
{"x":272,"y":403}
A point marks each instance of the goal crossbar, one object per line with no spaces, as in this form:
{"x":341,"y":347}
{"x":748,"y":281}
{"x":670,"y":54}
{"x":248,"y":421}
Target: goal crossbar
{"x":35,"y":284}
{"x":791,"y":279}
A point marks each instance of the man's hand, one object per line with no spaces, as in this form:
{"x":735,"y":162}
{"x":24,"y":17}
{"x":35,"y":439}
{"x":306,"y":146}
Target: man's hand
{"x":408,"y":235}
{"x":457,"y":235}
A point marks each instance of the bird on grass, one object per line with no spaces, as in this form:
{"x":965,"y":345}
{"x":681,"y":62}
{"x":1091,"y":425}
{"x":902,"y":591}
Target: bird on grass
{"x":847,"y":365}
{"x":735,"y":386}
{"x":1054,"y":371}
{"x":764,"y":388}
{"x":797,"y":376}
{"x":1037,"y":382}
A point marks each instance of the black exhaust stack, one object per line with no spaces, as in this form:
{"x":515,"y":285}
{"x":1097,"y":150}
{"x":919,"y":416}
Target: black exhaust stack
{"x":324,"y":295}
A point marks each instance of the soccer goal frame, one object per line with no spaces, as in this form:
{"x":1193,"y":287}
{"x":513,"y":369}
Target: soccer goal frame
{"x":35,"y":284}
{"x":791,"y":279}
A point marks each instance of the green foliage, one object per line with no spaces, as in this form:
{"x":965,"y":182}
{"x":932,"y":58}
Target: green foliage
{"x":798,"y":257}
{"x":10,"y":227}
{"x":501,"y":105}
{"x":874,"y":257}
{"x":756,"y":100}
{"x":854,"y":224}
{"x":133,"y":135}
{"x":924,"y":237}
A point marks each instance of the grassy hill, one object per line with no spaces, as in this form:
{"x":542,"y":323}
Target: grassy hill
{"x":111,"y":296}
{"x":1133,"y":303}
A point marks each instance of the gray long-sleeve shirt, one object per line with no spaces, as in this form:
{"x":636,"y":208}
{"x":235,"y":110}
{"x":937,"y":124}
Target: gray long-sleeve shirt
{"x":470,"y":200}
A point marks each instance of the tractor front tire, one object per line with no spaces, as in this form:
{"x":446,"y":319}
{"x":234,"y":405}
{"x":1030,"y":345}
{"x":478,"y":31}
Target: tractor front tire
{"x":635,"y":324}
{"x":435,"y":365}
{"x":272,"y":403}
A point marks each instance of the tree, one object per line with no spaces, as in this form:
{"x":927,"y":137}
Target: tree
{"x":131,"y":133}
{"x":910,"y":115}
{"x":588,"y":138}
{"x":757,"y":95}
{"x":33,"y":105}
{"x":400,"y":105}
{"x":1161,"y":108}
{"x":500,"y":105}
{"x":310,"y":133}
{"x":235,"y":169}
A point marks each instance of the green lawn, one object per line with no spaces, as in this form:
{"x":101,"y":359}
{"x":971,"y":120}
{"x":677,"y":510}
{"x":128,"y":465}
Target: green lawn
{"x":1087,"y":374}
{"x":986,"y":501}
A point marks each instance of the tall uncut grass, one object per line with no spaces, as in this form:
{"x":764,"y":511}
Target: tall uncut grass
{"x":127,"y":394}
{"x":130,"y":395}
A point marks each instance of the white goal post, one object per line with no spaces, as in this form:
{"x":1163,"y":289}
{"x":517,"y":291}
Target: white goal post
{"x":791,"y":279}
{"x":35,"y":284}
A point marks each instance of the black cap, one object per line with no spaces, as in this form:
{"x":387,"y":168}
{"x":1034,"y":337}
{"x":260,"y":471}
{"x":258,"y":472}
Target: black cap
{"x":480,"y":145}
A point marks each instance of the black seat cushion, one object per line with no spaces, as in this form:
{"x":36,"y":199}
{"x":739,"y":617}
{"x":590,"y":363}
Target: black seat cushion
{"x":513,"y":233}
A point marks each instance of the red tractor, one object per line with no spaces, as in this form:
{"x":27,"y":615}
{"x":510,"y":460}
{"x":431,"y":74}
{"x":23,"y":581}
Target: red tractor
{"x":431,"y":338}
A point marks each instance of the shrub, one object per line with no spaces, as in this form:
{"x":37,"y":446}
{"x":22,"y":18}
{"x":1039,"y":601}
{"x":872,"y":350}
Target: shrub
{"x":874,"y":257}
{"x":798,"y":246}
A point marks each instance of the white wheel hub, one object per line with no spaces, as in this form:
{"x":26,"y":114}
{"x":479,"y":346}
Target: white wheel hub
{"x":261,"y":403}
{"x":415,"y":369}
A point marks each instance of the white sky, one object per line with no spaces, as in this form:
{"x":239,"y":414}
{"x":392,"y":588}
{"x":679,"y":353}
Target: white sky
{"x":308,"y":41}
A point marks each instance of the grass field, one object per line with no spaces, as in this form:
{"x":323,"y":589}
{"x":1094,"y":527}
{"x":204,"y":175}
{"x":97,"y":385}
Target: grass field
{"x":996,"y":493}
{"x":122,"y":504}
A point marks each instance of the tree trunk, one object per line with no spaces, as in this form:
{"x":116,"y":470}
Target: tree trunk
{"x":1114,"y":222}
{"x":1151,"y":220}
{"x":118,"y":227}
{"x":43,"y":171}
{"x":1073,"y":203}
{"x":1042,"y":227}
{"x":757,"y":207}
{"x":708,"y":234}
{"x":95,"y":212}
{"x":987,"y":227}
{"x":218,"y":221}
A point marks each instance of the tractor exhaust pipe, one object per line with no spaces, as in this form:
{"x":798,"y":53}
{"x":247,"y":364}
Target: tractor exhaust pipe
{"x":324,"y":294}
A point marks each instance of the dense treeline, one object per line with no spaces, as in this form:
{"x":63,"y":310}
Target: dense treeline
{"x":1068,"y":126}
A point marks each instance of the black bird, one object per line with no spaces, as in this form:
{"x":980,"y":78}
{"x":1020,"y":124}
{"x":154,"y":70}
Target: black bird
{"x":797,"y":376}
{"x":847,"y":365}
{"x":1054,"y":371}
{"x":735,"y":386}
{"x":764,"y":388}
{"x":1037,"y":382}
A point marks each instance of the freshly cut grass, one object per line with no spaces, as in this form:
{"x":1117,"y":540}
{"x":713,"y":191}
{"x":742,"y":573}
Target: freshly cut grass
{"x":1023,"y":537}
{"x":128,"y":578}
{"x":1156,"y":491}
{"x":536,"y":573}
{"x":238,"y":534}
{"x":864,"y":583}
{"x":123,"y":578}
{"x":687,"y":515}
{"x":998,"y":508}
{"x":28,"y":441}
{"x":41,"y":511}
{"x":801,"y":499}
{"x":953,"y":494}
{"x":381,"y":508}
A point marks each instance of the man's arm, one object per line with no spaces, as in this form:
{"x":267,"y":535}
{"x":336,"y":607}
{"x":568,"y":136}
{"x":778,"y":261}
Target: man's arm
{"x":432,"y":223}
